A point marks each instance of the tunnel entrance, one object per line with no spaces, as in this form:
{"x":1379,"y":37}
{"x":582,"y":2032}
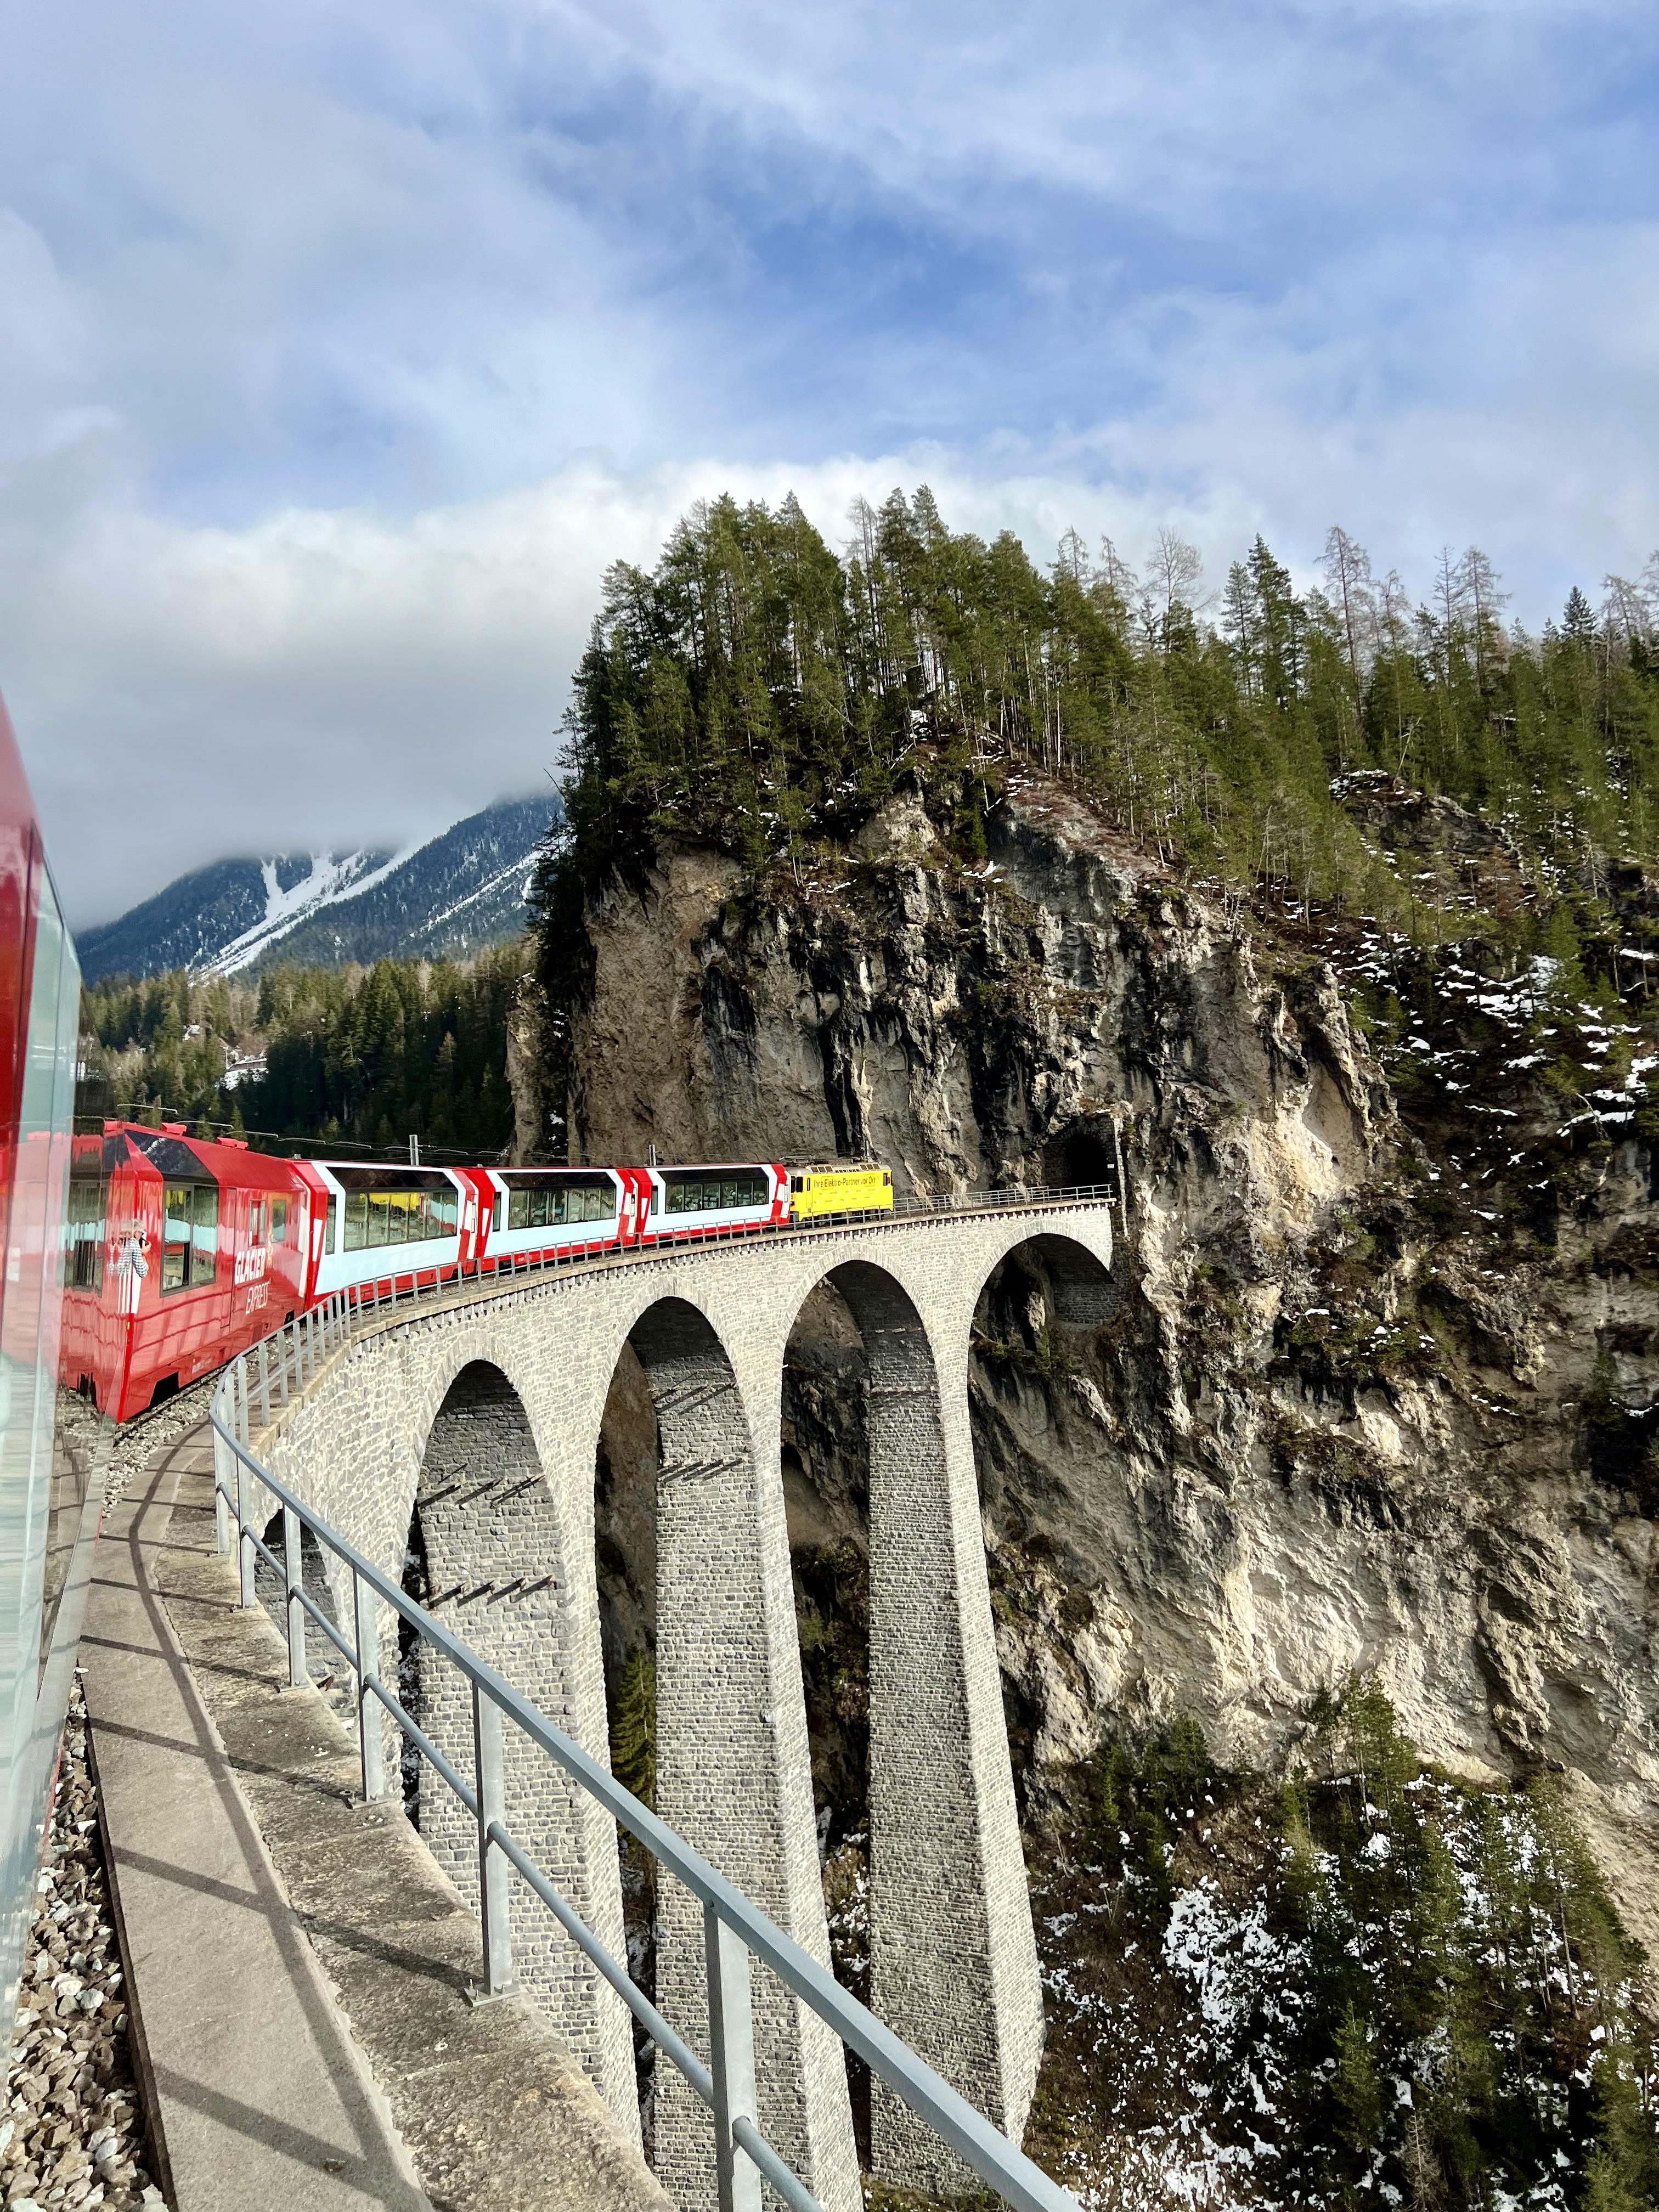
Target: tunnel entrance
{"x":1081,"y":1157}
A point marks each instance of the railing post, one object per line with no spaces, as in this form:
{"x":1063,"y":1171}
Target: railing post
{"x":364,"y":1608}
{"x":248,"y":1556}
{"x":731,"y":2054}
{"x":293,"y":1560}
{"x":495,"y":1904}
{"x":222,"y":1456}
{"x":262,"y":1347}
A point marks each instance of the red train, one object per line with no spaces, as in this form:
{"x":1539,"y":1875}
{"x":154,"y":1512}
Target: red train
{"x":182,"y":1252}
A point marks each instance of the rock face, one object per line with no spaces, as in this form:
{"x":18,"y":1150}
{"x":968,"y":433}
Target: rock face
{"x":1331,"y":1421}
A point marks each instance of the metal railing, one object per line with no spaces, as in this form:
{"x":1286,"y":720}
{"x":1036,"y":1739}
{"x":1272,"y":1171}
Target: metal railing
{"x":734,"y":1932}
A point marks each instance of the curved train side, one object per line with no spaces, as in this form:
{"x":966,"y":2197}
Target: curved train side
{"x":182,"y":1252}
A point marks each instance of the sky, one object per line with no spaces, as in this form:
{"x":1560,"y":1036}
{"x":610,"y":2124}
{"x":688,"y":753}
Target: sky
{"x":345,"y":345}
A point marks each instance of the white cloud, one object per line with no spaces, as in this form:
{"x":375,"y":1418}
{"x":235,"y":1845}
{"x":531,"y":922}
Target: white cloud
{"x":345,"y":348}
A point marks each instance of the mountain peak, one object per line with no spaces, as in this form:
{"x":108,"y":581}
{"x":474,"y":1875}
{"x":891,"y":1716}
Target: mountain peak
{"x":454,"y":893}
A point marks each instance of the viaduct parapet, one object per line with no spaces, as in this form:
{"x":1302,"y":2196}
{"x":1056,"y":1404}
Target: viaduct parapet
{"x":481,"y":1411}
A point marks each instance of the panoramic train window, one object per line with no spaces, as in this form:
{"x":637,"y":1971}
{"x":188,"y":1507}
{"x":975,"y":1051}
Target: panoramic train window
{"x":709,"y":1193}
{"x":398,"y":1216}
{"x":557,"y":1206}
{"x":189,"y":1234}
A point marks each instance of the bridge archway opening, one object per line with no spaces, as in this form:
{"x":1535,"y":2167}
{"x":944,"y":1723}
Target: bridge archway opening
{"x":825,"y":1457}
{"x":483,"y":1554}
{"x":1043,"y":1390}
{"x":628,"y":1462}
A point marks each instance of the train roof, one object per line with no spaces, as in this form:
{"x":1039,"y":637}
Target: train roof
{"x":181,"y":1159}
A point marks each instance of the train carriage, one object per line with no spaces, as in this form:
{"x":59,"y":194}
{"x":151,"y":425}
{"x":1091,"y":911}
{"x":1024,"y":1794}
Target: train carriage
{"x":181,"y":1253}
{"x":714,"y":1202}
{"x":388,"y":1224}
{"x":541,"y":1213}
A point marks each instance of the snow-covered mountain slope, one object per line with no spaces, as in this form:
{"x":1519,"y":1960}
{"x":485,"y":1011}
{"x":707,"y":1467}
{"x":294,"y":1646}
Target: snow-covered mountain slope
{"x":195,"y":920}
{"x":454,"y":894}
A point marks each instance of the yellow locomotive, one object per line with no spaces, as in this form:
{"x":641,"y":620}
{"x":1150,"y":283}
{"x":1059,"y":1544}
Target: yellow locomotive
{"x":817,"y":1193}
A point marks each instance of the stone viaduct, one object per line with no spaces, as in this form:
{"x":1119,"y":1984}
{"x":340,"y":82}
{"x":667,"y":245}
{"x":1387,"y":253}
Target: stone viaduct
{"x":481,"y":1411}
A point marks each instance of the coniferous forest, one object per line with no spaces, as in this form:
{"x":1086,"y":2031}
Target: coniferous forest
{"x":758,"y":689}
{"x":362,"y":1058}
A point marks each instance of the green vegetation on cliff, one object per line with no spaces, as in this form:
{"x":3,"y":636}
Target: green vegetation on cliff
{"x":1368,"y":1983}
{"x":758,"y":692}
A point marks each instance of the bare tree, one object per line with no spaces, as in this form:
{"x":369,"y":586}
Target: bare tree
{"x":1072,"y":555}
{"x":1629,"y":608}
{"x":1172,"y":572}
{"x":1477,"y":583}
{"x":1348,"y":572}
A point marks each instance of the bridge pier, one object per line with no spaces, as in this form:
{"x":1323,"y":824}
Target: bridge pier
{"x":953,"y":1966}
{"x":734,"y":1771}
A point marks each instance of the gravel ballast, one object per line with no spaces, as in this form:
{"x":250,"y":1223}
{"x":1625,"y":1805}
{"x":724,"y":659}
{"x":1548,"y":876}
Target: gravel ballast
{"x":73,"y":2131}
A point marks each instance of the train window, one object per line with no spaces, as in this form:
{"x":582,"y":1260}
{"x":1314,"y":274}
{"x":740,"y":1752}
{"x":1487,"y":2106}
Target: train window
{"x":204,"y":1233}
{"x":375,"y":1218}
{"x":85,"y":1258}
{"x":557,"y":1206}
{"x":714,"y":1195}
{"x":256,"y":1221}
{"x":331,"y":1242}
{"x":175,"y":1237}
{"x":496,"y":1216}
{"x":279,"y":1221}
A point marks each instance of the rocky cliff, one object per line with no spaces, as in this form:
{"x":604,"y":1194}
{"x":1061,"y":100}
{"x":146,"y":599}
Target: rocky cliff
{"x":1373,"y":1389}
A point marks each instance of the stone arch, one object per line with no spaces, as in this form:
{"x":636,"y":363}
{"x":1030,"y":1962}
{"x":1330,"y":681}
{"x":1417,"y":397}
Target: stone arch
{"x":1078,"y":1281}
{"x":732,"y":1772}
{"x":952,"y":1954}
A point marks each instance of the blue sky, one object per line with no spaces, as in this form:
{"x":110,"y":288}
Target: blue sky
{"x":345,"y":345}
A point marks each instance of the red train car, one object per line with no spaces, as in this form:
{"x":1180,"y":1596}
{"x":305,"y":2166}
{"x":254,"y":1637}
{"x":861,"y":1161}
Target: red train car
{"x":182,"y":1253}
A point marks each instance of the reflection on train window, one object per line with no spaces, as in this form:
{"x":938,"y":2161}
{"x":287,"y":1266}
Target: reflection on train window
{"x":279,"y":1221}
{"x":376,"y":1217}
{"x":553,"y":1205}
{"x":85,"y":1257}
{"x":189,"y":1234}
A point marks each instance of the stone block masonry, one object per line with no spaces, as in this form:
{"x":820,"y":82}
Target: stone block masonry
{"x":484,"y":1410}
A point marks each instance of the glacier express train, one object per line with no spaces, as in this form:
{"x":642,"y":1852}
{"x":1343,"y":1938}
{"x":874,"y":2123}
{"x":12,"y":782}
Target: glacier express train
{"x":182,"y":1252}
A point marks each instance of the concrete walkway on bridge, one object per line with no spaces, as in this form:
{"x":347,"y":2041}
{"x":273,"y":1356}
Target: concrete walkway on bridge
{"x":299,"y":1968}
